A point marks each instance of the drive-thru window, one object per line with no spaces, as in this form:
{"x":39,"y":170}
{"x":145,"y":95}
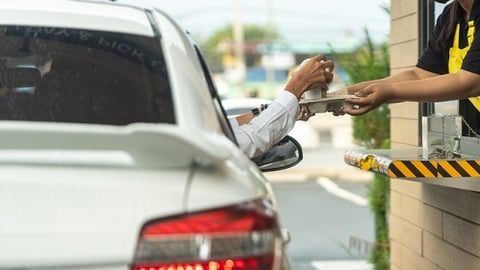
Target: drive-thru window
{"x":433,"y":163}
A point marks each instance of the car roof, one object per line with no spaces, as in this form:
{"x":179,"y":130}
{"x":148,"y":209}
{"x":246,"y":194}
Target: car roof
{"x":244,"y":102}
{"x":85,"y":14}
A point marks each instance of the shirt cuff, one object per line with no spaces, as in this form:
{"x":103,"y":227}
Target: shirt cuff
{"x":233,"y":122}
{"x":286,"y":98}
{"x":289,"y":101}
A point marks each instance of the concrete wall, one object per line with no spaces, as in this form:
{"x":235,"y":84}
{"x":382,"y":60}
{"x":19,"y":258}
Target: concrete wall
{"x":431,"y":227}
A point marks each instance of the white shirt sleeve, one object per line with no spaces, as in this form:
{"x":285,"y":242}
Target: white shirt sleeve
{"x":269,"y":127}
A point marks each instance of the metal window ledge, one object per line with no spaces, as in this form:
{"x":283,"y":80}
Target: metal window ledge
{"x":409,"y":164}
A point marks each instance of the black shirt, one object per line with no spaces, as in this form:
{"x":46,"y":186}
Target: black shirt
{"x":436,"y":60}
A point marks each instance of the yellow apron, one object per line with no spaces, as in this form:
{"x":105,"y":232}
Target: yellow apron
{"x":457,"y":55}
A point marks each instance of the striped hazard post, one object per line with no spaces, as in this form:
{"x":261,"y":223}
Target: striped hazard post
{"x":413,"y":168}
{"x":434,"y":168}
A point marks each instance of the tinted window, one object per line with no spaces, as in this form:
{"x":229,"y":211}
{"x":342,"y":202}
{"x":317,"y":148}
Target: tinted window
{"x":71,"y":75}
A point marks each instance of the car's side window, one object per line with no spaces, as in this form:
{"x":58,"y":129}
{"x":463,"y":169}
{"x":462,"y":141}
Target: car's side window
{"x":227,"y":129}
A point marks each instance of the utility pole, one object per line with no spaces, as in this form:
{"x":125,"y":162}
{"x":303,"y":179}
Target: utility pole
{"x":239,"y":47}
{"x":269,"y":38}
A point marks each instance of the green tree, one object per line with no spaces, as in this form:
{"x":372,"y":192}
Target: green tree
{"x":372,"y":131}
{"x":252,"y":34}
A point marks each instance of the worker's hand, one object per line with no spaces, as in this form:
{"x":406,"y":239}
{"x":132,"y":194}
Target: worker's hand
{"x":369,"y":98}
{"x":316,"y":72}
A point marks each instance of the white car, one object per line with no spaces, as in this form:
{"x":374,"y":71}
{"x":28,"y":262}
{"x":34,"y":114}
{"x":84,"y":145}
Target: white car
{"x":115,"y":151}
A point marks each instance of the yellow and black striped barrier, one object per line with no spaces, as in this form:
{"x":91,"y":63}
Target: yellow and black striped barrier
{"x":413,"y":166}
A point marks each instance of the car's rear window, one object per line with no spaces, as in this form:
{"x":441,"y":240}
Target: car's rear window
{"x":81,"y":76}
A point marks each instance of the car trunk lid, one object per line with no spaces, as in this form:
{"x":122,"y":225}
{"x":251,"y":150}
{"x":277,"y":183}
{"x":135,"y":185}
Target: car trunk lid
{"x":77,"y":195}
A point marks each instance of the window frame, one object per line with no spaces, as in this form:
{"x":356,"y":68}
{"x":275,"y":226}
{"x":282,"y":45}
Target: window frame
{"x":220,"y":111}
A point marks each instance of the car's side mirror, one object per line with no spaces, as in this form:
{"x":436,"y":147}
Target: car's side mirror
{"x":285,"y":154}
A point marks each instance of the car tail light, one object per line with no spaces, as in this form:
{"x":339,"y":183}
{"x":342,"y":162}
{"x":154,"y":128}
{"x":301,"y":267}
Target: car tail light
{"x":241,"y":237}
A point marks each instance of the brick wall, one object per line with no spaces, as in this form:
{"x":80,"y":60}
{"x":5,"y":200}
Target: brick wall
{"x":431,"y":227}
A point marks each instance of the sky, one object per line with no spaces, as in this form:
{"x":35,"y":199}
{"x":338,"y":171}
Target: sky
{"x":306,"y":21}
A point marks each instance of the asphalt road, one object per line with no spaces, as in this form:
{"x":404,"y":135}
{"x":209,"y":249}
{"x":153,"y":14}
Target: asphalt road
{"x":324,"y":225}
{"x":323,"y":203}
